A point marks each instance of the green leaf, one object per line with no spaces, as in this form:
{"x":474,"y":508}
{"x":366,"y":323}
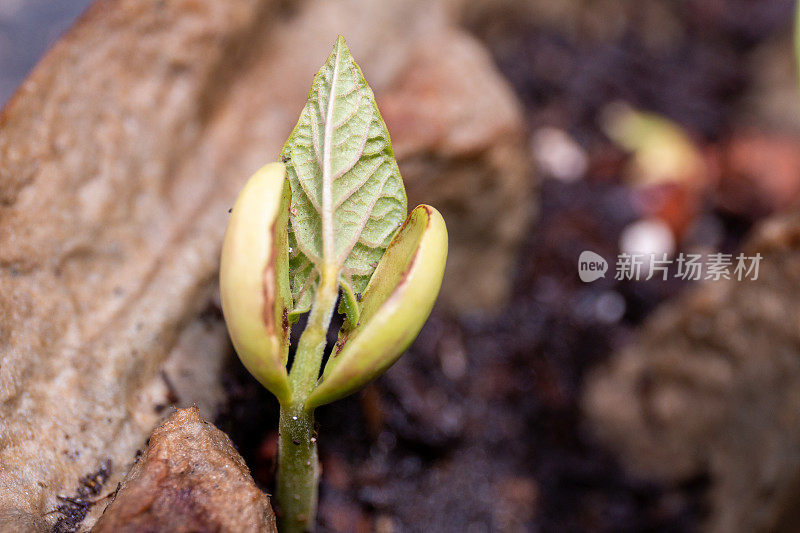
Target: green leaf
{"x":348,"y":199}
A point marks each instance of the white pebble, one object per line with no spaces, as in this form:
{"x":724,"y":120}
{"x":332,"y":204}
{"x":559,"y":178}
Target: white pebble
{"x":558,"y":154}
{"x":647,"y":236}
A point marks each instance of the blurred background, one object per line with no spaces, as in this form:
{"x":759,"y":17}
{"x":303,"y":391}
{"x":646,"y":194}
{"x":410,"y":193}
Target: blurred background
{"x":533,"y":401}
{"x":27,"y":30}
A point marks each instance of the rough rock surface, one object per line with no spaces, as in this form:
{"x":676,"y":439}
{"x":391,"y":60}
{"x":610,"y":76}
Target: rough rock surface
{"x":712,"y":387}
{"x":190,"y":478}
{"x":119,"y":158}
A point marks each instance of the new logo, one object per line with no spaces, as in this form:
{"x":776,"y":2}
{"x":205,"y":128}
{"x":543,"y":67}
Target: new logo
{"x":591,"y":266}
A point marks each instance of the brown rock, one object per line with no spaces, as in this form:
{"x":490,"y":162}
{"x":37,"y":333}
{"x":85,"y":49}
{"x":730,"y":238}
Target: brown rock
{"x":190,"y":478}
{"x":119,"y":158}
{"x":712,"y":386}
{"x":760,"y":173}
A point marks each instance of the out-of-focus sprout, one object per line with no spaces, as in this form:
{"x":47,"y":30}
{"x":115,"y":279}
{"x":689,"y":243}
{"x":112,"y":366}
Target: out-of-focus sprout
{"x":327,"y":224}
{"x":662,"y":151}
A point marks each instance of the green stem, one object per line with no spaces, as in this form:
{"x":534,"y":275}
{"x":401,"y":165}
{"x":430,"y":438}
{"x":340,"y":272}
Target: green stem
{"x":298,"y":467}
{"x":298,"y":471}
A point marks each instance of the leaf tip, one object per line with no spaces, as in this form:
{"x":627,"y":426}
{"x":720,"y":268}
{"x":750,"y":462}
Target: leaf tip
{"x":341,"y":46}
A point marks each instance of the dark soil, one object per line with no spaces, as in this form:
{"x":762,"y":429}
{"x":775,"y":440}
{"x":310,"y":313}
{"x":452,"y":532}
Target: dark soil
{"x":478,"y":427}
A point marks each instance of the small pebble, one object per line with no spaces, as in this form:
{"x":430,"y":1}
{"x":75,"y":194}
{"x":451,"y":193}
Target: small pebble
{"x":559,"y":155}
{"x":647,"y":236}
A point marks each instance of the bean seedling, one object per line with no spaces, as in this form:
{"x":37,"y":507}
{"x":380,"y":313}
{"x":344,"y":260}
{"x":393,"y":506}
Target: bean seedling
{"x":326,"y":225}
